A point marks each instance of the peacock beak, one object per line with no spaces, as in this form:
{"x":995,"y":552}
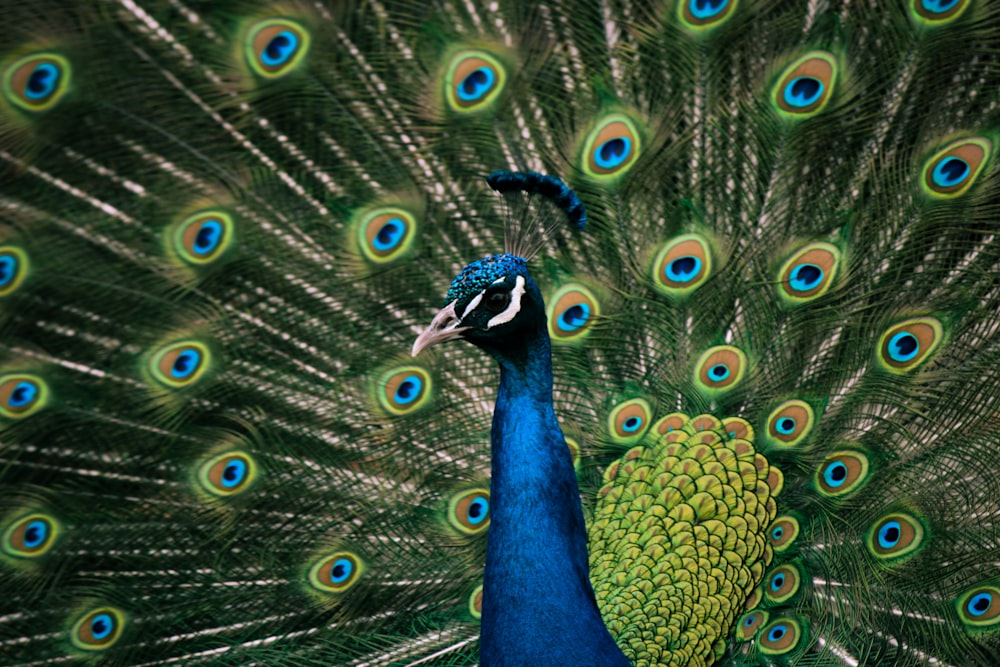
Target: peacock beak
{"x":443,"y":327}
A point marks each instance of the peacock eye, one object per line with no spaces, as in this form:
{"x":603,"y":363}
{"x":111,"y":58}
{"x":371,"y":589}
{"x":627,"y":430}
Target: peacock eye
{"x":36,"y":82}
{"x":497,"y":302}
{"x":337,"y":572}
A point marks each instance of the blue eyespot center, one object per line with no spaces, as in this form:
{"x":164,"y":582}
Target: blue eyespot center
{"x":185,"y":364}
{"x":777,"y":533}
{"x":35,"y":533}
{"x":950,"y":172}
{"x":888,"y":535}
{"x":805,"y":277}
{"x":777,"y":632}
{"x":234,"y":473}
{"x":719,"y":372}
{"x":8,"y":269}
{"x":835,"y":474}
{"x":785,"y":426}
{"x":777,"y":582}
{"x":478,"y":510}
{"x":24,"y":393}
{"x":408,"y":390}
{"x":280,"y":49}
{"x":632,"y":424}
{"x":42,"y":82}
{"x":389,"y":235}
{"x":341,"y":570}
{"x":706,"y":9}
{"x":574,"y":317}
{"x":101,"y":626}
{"x":208,"y":237}
{"x":683,"y":269}
{"x":613,"y":152}
{"x":803,"y":91}
{"x":979,"y":604}
{"x":476,"y":84}
{"x":749,"y":620}
{"x":903,"y":346}
{"x":938,"y":6}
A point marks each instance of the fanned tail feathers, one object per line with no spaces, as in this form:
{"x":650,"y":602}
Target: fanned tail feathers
{"x":223,"y":224}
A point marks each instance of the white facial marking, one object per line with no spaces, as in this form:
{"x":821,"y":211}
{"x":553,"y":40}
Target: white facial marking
{"x":472,"y":305}
{"x":515,"y":305}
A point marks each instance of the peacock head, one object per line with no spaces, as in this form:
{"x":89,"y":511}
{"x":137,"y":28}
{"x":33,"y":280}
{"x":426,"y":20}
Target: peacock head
{"x":493,"y":303}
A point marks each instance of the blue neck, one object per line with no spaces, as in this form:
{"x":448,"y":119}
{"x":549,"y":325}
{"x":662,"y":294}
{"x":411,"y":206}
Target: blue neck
{"x":538,"y":604}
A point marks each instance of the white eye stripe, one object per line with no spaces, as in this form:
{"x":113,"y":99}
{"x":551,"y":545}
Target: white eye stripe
{"x":513,"y":308}
{"x":472,"y":305}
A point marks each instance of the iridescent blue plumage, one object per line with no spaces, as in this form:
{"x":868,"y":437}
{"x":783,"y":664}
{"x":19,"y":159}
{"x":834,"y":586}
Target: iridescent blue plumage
{"x":478,"y":275}
{"x":536,"y":583}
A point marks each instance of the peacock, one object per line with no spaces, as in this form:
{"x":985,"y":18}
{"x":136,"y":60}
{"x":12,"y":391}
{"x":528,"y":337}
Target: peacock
{"x":456,"y":332}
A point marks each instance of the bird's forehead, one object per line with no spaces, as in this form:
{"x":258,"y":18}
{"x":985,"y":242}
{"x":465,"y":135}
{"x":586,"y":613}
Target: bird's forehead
{"x":480,"y":274}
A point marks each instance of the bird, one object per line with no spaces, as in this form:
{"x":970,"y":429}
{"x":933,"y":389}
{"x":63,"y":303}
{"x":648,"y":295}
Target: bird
{"x":595,"y":332}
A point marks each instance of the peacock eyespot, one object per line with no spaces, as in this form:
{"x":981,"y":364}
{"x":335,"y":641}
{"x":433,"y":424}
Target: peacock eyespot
{"x":97,"y":629}
{"x":276,"y":47}
{"x":780,"y":636}
{"x":806,"y":85}
{"x":336,"y":573}
{"x":574,"y":451}
{"x":895,"y":536}
{"x":228,"y":474}
{"x":37,"y":82}
{"x":953,"y":170}
{"x":842,"y":473}
{"x":720,"y":368}
{"x":809,"y":273}
{"x":476,"y":602}
{"x":628,"y":421}
{"x":181,"y":364}
{"x":790,"y":423}
{"x":702,"y":14}
{"x":979,"y":607}
{"x":571,"y":313}
{"x":404,"y":390}
{"x":203,"y":237}
{"x":30,"y":536}
{"x":469,"y":511}
{"x":13,"y":269}
{"x":611,"y":148}
{"x":783,"y":533}
{"x":938,"y":11}
{"x":21,"y":395}
{"x":682,"y":265}
{"x":748,"y":624}
{"x":782,"y":584}
{"x":474,"y":81}
{"x":386,"y":234}
{"x":908,"y":344}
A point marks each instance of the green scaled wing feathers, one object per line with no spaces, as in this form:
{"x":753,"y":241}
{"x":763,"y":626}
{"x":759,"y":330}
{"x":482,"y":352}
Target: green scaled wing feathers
{"x":678,"y":541}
